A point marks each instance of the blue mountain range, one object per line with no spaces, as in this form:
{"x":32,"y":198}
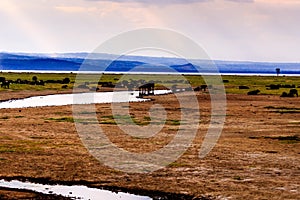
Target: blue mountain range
{"x":112,"y":63}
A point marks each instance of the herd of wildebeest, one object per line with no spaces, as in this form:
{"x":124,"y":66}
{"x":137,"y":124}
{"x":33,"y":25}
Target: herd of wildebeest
{"x":34,"y":81}
{"x":292,"y":89}
{"x":134,"y":84}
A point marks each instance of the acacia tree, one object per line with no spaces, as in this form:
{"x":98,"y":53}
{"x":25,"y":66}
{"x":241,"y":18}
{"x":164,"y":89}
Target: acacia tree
{"x":278,"y":71}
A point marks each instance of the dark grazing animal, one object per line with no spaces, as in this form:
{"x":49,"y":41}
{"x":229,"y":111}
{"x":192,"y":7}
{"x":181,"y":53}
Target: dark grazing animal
{"x":5,"y":84}
{"x":242,"y":87}
{"x":292,"y":93}
{"x":254,"y":92}
{"x":200,"y":88}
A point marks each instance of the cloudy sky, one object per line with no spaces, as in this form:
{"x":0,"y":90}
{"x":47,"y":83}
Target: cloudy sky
{"x":254,"y":30}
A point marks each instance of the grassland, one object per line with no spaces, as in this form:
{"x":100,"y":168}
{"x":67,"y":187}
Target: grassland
{"x":231,"y":83}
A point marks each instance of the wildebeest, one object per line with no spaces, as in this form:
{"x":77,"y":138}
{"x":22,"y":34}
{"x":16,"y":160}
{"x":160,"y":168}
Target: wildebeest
{"x":2,"y":79}
{"x":284,"y":94}
{"x":5,"y":84}
{"x":146,"y":89}
{"x":254,"y":92}
{"x":242,"y":87}
{"x":200,"y":88}
{"x":273,"y":87}
{"x":292,"y":93}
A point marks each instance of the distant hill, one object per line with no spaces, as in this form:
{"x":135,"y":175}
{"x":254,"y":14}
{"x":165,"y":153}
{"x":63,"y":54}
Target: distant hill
{"x":113,"y":63}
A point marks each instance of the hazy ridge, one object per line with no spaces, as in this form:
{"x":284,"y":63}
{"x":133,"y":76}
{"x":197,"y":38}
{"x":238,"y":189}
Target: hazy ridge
{"x":112,"y":63}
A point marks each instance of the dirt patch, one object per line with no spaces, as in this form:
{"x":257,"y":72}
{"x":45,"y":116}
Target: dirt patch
{"x":37,"y":143}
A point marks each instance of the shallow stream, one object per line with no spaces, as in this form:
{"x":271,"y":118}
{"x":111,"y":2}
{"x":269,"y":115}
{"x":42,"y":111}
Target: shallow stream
{"x":75,"y":191}
{"x":79,"y":98}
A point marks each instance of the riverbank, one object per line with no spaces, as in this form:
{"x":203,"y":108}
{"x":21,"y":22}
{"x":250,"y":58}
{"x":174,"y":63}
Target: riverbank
{"x":255,"y":158}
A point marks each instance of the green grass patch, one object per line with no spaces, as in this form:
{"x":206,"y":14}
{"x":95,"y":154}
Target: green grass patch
{"x":111,"y":122}
{"x":5,"y":149}
{"x":288,"y":139}
{"x":283,"y":109}
{"x":174,"y":122}
{"x":237,"y":178}
{"x":61,"y":119}
{"x":126,"y":119}
{"x":21,"y":146}
{"x":287,"y":111}
{"x":294,"y":122}
{"x":293,"y":139}
{"x":4,"y":117}
{"x":5,"y":138}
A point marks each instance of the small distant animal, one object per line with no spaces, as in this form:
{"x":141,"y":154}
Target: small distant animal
{"x":5,"y":84}
{"x":274,"y":87}
{"x":294,"y":92}
{"x":200,"y":88}
{"x":242,"y":87}
{"x":254,"y":92}
{"x":284,"y":94}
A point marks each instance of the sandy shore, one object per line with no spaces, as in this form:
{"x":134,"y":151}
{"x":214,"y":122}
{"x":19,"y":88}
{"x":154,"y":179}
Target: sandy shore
{"x":254,"y":158}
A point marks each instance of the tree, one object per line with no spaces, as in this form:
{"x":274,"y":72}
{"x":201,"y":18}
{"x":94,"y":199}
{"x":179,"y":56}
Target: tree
{"x":278,"y":71}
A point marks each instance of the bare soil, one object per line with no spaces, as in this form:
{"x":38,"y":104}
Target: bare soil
{"x":257,"y":156}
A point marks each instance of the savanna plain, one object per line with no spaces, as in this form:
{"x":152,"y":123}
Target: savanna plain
{"x":256,"y":157}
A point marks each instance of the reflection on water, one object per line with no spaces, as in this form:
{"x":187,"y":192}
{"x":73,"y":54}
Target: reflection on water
{"x":81,"y":98}
{"x":78,"y":192}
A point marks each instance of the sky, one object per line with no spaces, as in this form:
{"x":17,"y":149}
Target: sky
{"x":243,"y":30}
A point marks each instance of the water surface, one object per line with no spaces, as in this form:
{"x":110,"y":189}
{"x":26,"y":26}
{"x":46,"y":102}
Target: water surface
{"x":76,"y":191}
{"x":79,"y":98}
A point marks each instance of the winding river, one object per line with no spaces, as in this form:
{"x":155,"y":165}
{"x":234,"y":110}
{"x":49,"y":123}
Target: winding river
{"x":78,"y":98}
